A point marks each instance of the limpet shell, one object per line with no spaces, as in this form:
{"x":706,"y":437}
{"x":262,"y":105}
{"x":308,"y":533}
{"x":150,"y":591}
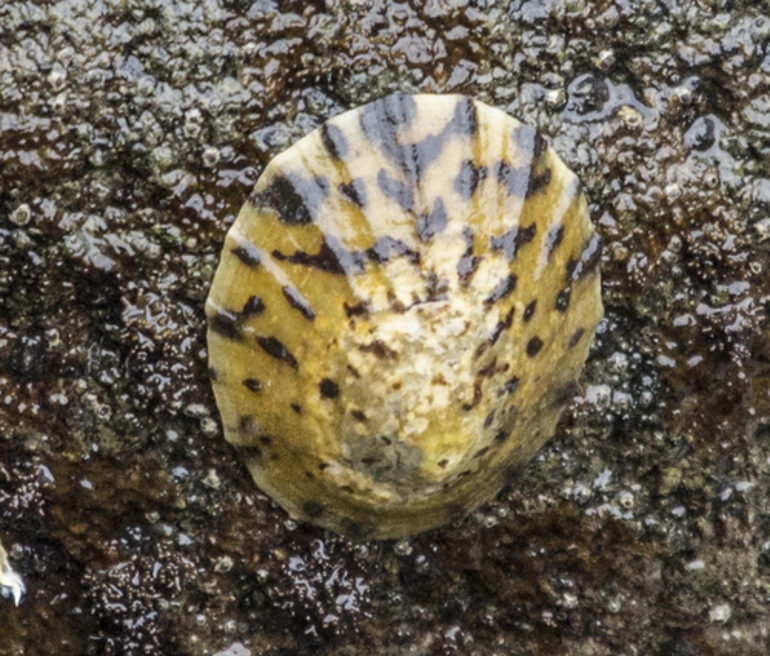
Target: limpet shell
{"x":400,"y":313}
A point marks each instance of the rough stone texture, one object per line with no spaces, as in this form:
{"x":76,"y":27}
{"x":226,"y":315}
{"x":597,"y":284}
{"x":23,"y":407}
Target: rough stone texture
{"x":131,"y":132}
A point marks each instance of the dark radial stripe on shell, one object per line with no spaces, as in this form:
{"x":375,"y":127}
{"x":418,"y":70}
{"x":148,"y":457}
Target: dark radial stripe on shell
{"x":433,"y":222}
{"x":226,"y":325}
{"x":253,"y":384}
{"x":589,"y":260}
{"x":332,"y":257}
{"x":396,"y":190}
{"x":538,"y":182}
{"x":465,"y":120}
{"x":253,"y":307}
{"x":386,"y":248}
{"x":503,"y":325}
{"x":354,"y":191}
{"x":513,"y":240}
{"x":469,"y":178}
{"x":334,"y":141}
{"x":294,"y":199}
{"x":515,"y":179}
{"x":276,"y":349}
{"x":504,"y":288}
{"x":531,"y":141}
{"x":381,"y":122}
{"x":248,"y":254}
{"x":555,"y":237}
{"x":298,"y":302}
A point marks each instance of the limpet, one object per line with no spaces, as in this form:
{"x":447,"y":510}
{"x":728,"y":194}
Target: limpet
{"x":400,"y":313}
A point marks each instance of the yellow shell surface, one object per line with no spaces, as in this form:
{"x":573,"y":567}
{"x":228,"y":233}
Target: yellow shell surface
{"x":400,"y":313}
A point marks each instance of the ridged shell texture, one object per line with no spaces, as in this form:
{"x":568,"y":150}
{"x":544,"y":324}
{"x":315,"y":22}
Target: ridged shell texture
{"x":400,"y":313}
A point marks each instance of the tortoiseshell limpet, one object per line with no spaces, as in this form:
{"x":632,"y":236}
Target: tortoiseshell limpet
{"x":400,"y":313}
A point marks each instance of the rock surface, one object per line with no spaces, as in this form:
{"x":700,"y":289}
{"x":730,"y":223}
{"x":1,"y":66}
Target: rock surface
{"x":130,"y":134}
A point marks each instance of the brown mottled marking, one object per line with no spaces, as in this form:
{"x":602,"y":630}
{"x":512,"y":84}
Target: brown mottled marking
{"x":563,"y":298}
{"x":359,"y":310}
{"x":502,"y":435}
{"x":510,"y":386}
{"x":481,"y":452}
{"x":380,"y":350}
{"x":353,"y":371}
{"x":297,"y":408}
{"x":275,"y":349}
{"x":576,"y":337}
{"x":477,"y":395}
{"x":329,"y":389}
{"x":213,"y":374}
{"x":358,"y":416}
{"x":490,"y":418}
{"x":504,"y":325}
{"x":466,"y":267}
{"x":533,"y":346}
{"x":515,"y":179}
{"x":253,"y":384}
{"x":529,"y":311}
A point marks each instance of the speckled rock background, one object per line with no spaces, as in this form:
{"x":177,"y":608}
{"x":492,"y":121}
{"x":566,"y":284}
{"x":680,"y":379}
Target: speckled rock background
{"x":130,"y":135}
